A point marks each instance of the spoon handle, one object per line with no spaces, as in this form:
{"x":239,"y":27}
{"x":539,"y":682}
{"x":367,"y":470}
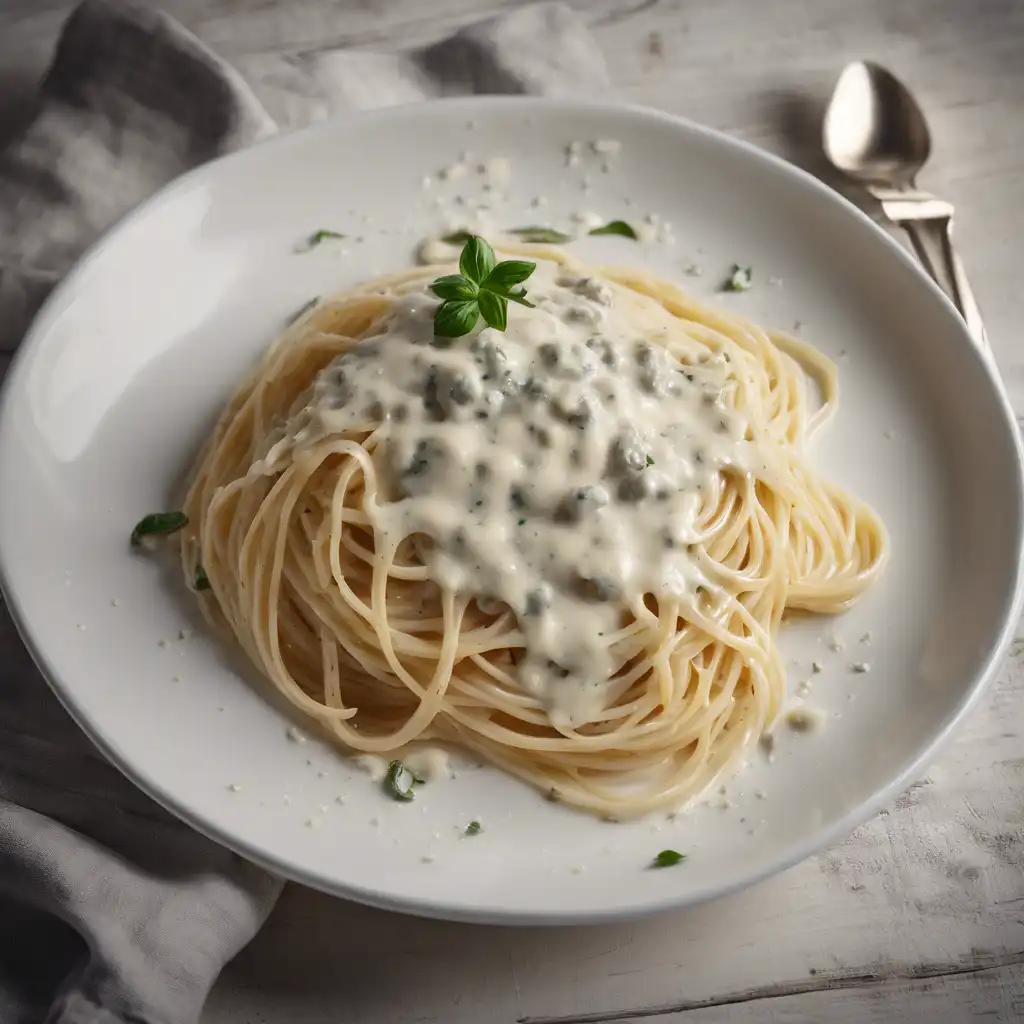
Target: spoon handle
{"x":933,"y":242}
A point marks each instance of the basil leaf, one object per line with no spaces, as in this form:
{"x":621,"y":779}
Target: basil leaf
{"x":615,"y":227}
{"x":456,"y":317}
{"x":454,"y":286}
{"x":535,"y":233}
{"x":303,"y":309}
{"x":474,"y":828}
{"x":494,"y":310}
{"x":740,"y":279}
{"x":668,"y":859}
{"x":508,"y":273}
{"x":399,"y":781}
{"x":201,"y":581}
{"x":456,"y":238}
{"x":477,"y":259}
{"x":157,"y":524}
{"x":520,"y":297}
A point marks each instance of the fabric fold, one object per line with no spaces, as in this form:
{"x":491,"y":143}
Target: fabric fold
{"x":111,"y":910}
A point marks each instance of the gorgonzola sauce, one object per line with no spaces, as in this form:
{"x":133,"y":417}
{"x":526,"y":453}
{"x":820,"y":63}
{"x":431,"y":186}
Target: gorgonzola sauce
{"x":558,"y":467}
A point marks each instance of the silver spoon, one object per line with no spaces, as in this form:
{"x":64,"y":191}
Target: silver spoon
{"x":875,"y":133}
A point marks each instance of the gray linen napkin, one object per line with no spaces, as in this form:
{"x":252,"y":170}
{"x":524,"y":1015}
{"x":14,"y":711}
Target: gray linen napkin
{"x":110,"y":909}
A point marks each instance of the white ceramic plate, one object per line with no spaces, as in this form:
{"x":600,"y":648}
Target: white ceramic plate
{"x":133,"y":355}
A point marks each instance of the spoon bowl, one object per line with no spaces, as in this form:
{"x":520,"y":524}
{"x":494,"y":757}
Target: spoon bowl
{"x":874,"y":131}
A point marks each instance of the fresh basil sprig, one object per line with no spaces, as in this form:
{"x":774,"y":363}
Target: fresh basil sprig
{"x":482,"y":288}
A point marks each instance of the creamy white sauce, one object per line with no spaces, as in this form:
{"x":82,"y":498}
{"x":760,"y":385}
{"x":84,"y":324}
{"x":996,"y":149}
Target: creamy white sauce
{"x":805,"y":719}
{"x":374,"y":766}
{"x":427,"y":762}
{"x":556,"y":468}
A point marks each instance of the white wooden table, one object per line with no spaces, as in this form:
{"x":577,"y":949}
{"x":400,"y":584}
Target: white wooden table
{"x":919,"y":915}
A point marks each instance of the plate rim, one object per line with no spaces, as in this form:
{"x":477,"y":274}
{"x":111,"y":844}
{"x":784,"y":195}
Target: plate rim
{"x":483,"y":913}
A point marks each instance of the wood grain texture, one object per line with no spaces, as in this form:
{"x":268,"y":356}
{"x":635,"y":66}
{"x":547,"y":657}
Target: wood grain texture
{"x":917,"y":916}
{"x":995,"y":995}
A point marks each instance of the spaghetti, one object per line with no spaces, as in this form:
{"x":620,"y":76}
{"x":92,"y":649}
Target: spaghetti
{"x":566,"y":547}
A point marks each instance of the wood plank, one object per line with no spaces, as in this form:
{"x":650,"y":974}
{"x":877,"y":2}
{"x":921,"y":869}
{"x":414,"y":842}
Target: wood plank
{"x":993,"y":995}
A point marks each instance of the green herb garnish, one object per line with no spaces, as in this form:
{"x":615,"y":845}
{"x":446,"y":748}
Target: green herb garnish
{"x":616,"y":227}
{"x":157,"y":524}
{"x":494,"y":310}
{"x":536,"y":233}
{"x":456,"y":238}
{"x":650,"y":461}
{"x":456,"y":317}
{"x":399,"y":781}
{"x":740,"y":279}
{"x":474,"y":828}
{"x":303,"y":309}
{"x":323,"y":235}
{"x":668,"y":859}
{"x":482,"y":288}
{"x":201,"y":581}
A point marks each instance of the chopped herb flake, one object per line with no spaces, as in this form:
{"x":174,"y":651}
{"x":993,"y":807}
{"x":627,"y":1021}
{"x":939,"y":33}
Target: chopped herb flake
{"x":536,"y":233}
{"x":474,"y":828}
{"x":668,"y":859}
{"x":323,"y":235}
{"x":740,"y":279}
{"x":616,"y":227}
{"x":399,"y":781}
{"x":157,"y":524}
{"x":201,"y":581}
{"x":650,"y":461}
